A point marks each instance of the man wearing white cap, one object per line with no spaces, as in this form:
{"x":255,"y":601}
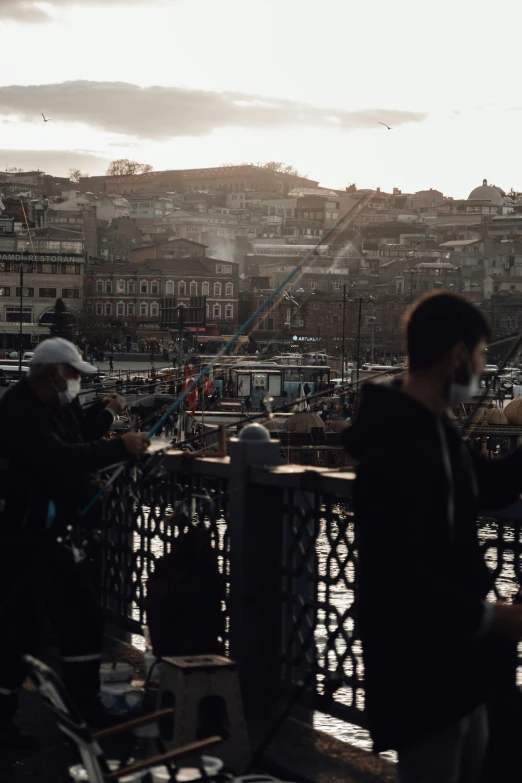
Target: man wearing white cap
{"x":44,"y":482}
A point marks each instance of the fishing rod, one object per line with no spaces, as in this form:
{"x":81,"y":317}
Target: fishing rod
{"x":278,"y":291}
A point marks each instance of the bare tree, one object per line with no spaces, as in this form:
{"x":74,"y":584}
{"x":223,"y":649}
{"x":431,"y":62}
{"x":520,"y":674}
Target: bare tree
{"x":514,"y":195}
{"x":351,"y":188}
{"x":14,"y":169}
{"x":75,"y":174}
{"x":124,"y":167}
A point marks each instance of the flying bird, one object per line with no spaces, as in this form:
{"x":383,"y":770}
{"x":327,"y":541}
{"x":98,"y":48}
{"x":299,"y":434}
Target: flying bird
{"x":44,"y":118}
{"x":383,"y":123}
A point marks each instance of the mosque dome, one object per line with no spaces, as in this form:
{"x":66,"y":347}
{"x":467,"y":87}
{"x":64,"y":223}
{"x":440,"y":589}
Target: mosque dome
{"x":304,"y":421}
{"x":496,"y":416}
{"x":513,"y":411}
{"x":488,"y":193}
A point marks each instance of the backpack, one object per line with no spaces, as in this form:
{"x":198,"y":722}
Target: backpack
{"x":184,"y":598}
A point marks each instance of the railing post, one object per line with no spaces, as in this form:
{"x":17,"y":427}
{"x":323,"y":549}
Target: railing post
{"x":255,"y":525}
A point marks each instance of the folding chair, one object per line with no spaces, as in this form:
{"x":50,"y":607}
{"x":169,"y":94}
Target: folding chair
{"x":71,"y":723}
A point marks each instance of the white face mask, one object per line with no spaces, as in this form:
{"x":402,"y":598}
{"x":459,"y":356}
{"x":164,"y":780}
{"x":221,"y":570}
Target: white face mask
{"x":464,"y":392}
{"x":71,"y":392}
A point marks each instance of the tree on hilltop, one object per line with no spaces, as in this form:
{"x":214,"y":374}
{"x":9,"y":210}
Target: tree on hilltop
{"x":75,"y":174}
{"x":125,"y":167}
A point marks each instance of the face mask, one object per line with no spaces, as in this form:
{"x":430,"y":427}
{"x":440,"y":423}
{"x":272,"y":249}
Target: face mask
{"x":71,"y":392}
{"x":463,"y":392}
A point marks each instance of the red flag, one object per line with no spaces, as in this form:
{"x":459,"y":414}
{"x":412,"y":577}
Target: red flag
{"x":208,"y":385}
{"x":188,"y":380}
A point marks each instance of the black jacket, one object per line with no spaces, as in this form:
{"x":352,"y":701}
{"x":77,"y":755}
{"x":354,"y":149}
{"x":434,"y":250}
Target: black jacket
{"x":423,"y":581}
{"x":47,"y":458}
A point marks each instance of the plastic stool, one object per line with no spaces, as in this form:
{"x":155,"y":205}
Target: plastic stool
{"x":204,"y":692}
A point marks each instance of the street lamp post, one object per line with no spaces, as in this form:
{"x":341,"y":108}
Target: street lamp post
{"x":21,"y":333}
{"x":359,"y":344}
{"x":372,"y":353}
{"x":343,"y":358}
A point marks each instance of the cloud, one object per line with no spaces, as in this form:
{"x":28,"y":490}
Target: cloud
{"x":166,"y":112}
{"x":35,"y":12}
{"x":57,"y":161}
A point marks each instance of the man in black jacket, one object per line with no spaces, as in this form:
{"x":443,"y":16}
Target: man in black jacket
{"x":431,"y":641}
{"x":48,"y":453}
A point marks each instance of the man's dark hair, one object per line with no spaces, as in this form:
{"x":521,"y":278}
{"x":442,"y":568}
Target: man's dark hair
{"x":436,"y":323}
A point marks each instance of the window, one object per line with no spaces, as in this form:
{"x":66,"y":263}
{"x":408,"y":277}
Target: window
{"x":154,"y":287}
{"x":131,"y":309}
{"x":217,"y":311}
{"x":120,"y":287}
{"x":120,"y":308}
{"x":313,"y":284}
{"x":229,"y":311}
{"x":108,"y":308}
{"x":337,"y":286}
{"x":27,"y":291}
{"x":99,"y":283}
{"x":130,"y":287}
{"x":144,"y":308}
{"x":208,"y":312}
{"x":227,"y":270}
{"x":154,"y":309}
{"x":108,"y":286}
{"x":193,"y":288}
{"x":99,"y":308}
{"x":12,"y":315}
{"x":205,"y":289}
{"x":182,"y":288}
{"x":169,"y":287}
{"x":217,"y":289}
{"x":219,"y":269}
{"x":144,"y":287}
{"x":89,"y":308}
{"x":70,"y":293}
{"x":229,"y":289}
{"x":5,"y":291}
{"x":47,"y":293}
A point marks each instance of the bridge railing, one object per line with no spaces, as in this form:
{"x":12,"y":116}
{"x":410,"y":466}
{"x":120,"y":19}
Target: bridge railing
{"x":286,"y":542}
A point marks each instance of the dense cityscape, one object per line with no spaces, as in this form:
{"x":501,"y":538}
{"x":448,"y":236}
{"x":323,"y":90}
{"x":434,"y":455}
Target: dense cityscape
{"x":115,"y":248}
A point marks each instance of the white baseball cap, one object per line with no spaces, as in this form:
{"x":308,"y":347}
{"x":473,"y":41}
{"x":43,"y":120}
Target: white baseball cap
{"x":56,"y":350}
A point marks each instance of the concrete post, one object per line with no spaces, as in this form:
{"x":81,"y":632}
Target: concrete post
{"x":255,"y":520}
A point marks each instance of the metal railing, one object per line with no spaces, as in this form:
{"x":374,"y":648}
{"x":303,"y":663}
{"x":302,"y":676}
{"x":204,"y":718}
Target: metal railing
{"x":286,"y":541}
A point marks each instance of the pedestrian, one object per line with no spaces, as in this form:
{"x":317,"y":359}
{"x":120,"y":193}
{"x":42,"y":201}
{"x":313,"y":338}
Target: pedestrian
{"x":306,"y":389}
{"x":433,"y":646}
{"x":248,"y":404}
{"x":48,"y":450}
{"x":111,"y":363}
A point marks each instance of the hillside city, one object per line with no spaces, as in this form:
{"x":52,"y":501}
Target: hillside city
{"x":123,"y":252}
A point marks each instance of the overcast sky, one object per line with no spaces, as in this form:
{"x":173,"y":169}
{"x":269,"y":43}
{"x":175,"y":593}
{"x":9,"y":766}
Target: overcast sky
{"x":194,"y":83}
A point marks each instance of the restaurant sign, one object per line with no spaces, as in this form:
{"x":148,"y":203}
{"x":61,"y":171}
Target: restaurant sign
{"x":42,"y":258}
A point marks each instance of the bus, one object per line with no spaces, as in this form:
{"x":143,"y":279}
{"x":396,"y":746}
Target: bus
{"x":261,"y":379}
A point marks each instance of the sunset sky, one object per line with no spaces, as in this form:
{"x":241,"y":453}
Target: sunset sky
{"x":194,"y":83}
